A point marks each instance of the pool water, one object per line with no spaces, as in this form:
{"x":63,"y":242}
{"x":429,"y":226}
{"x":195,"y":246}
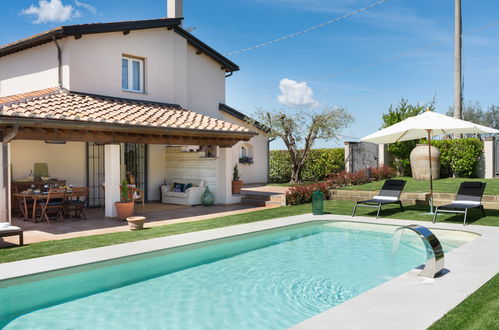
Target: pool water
{"x":269,"y":280}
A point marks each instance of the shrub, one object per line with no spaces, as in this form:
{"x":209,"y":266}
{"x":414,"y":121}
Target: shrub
{"x":382,"y":173}
{"x":279,"y":166}
{"x":301,"y":194}
{"x":319,"y":163}
{"x":458,"y":157}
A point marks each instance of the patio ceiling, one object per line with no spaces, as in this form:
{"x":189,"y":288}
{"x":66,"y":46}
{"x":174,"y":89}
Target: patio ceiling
{"x":56,"y":114}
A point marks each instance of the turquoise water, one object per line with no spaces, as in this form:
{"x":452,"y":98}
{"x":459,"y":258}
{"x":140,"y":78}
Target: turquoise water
{"x":269,"y":280}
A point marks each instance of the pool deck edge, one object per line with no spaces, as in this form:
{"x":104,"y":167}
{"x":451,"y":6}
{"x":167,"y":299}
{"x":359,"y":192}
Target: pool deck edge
{"x":406,"y":302}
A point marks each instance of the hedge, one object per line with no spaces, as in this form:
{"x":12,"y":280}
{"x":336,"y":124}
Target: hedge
{"x":319,"y":163}
{"x":300,"y":194}
{"x":458,"y":157}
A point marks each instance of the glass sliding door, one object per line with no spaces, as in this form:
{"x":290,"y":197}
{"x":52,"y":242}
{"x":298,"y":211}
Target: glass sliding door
{"x":95,"y":174}
{"x":133,"y":169}
{"x":134,"y":164}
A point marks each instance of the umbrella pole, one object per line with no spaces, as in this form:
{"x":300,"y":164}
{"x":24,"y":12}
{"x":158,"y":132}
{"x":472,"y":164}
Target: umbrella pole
{"x":431,"y":171}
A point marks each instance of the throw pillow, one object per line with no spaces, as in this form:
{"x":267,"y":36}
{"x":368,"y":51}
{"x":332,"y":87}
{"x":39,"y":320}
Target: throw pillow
{"x":187,"y":186}
{"x":178,"y":187}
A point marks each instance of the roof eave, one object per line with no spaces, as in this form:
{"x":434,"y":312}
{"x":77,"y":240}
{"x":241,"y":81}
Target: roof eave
{"x":78,"y":30}
{"x":241,"y":116}
{"x":81,"y":29}
{"x":227,"y":64}
{"x":95,"y":125}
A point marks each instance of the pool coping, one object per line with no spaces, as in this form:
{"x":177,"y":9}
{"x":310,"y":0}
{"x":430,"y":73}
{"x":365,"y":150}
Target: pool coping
{"x":408,"y":301}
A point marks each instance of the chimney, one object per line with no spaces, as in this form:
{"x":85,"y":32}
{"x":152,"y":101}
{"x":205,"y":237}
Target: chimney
{"x":174,"y":8}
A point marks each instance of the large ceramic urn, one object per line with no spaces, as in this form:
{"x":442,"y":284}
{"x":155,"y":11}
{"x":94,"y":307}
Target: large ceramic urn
{"x":420,"y":165}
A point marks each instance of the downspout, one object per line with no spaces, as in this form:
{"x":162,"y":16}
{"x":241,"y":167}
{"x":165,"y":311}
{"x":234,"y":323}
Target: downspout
{"x":229,"y":74}
{"x":10,"y":134}
{"x":59,"y":59}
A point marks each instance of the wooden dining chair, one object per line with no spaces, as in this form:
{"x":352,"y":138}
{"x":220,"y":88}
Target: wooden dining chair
{"x":138,"y":196}
{"x":22,"y":203}
{"x":76,"y":203}
{"x":54,"y":201}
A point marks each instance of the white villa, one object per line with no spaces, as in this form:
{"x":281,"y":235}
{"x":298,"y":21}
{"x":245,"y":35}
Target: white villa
{"x":96,"y":102}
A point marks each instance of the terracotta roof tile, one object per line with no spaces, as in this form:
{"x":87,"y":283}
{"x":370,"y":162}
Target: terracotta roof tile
{"x":56,"y":103}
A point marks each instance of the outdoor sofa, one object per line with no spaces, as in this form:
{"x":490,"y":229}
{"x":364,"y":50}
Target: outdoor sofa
{"x":389,"y":194}
{"x":188,"y":194}
{"x":468,"y":196}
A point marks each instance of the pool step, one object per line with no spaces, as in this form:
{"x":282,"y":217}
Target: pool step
{"x":263,"y":199}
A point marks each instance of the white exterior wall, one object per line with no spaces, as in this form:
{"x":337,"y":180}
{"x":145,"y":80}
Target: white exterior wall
{"x":206,"y":84}
{"x":173,"y":71}
{"x":65,"y":161}
{"x":33,"y":69}
{"x":156,"y":170}
{"x":191,"y":165}
{"x":258,"y":145}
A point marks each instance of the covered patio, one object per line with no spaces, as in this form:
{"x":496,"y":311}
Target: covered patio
{"x":59,"y":115}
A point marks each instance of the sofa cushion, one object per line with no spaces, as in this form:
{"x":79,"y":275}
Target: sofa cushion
{"x":194,"y":182}
{"x":176,"y":194}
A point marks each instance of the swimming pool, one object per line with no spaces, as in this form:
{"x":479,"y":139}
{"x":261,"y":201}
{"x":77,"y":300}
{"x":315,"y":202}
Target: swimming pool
{"x":265,"y":280}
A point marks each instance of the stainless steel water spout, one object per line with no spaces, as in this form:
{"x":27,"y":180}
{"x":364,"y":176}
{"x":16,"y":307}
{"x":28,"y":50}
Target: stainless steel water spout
{"x":434,"y":252}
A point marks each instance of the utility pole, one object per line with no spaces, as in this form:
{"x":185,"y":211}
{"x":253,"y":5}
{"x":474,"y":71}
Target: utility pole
{"x":458,"y":48}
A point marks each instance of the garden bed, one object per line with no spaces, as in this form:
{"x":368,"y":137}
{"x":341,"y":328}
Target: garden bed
{"x":411,"y":198}
{"x":449,"y":185}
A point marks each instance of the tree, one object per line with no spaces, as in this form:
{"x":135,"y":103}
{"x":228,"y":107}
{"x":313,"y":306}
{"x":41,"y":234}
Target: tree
{"x":300,"y":130}
{"x":474,"y":113}
{"x":402,"y":150}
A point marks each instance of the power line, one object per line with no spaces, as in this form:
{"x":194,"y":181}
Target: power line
{"x":382,"y":61}
{"x":292,"y":35}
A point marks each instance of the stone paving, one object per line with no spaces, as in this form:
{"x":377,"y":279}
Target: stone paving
{"x":156,"y":215}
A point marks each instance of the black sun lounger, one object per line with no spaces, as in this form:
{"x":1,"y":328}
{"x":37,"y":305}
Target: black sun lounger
{"x":469,"y":196}
{"x":390,"y":193}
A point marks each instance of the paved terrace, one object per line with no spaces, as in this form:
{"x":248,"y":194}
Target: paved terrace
{"x":156,"y":214}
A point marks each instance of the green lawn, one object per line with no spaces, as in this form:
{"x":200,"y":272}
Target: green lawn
{"x":411,"y":212}
{"x":449,"y":185}
{"x":477,"y":312}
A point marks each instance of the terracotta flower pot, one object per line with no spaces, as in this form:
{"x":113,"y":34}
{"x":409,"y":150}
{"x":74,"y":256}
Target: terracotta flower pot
{"x":136,"y":223}
{"x":236,"y":186}
{"x":124,"y":210}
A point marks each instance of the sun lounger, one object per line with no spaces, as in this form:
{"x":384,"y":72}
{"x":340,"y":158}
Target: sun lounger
{"x":469,"y":196}
{"x":6,"y":229}
{"x":389,"y":194}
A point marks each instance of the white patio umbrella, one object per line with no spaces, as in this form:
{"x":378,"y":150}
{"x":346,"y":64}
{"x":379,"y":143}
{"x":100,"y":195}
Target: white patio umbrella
{"x":426,"y":125}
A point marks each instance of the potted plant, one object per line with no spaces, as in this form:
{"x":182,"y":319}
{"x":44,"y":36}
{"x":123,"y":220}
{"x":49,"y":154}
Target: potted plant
{"x":236,"y":182}
{"x":124,"y":207}
{"x":246,"y":160}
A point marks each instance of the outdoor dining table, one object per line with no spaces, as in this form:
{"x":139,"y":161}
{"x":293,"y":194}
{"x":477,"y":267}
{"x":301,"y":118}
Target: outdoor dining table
{"x":35,"y":197}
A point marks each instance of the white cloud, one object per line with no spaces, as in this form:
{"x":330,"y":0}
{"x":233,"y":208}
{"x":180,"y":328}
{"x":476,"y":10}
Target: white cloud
{"x":86,"y":6}
{"x":296,"y":94}
{"x":51,"y":11}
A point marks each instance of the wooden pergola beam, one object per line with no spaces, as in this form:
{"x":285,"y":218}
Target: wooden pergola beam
{"x":109,"y":137}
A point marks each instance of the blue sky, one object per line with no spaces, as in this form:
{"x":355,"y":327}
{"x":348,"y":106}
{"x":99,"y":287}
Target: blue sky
{"x":422,"y":29}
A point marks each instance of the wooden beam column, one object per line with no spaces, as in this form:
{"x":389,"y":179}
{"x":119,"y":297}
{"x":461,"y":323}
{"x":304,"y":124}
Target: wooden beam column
{"x":111,"y":178}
